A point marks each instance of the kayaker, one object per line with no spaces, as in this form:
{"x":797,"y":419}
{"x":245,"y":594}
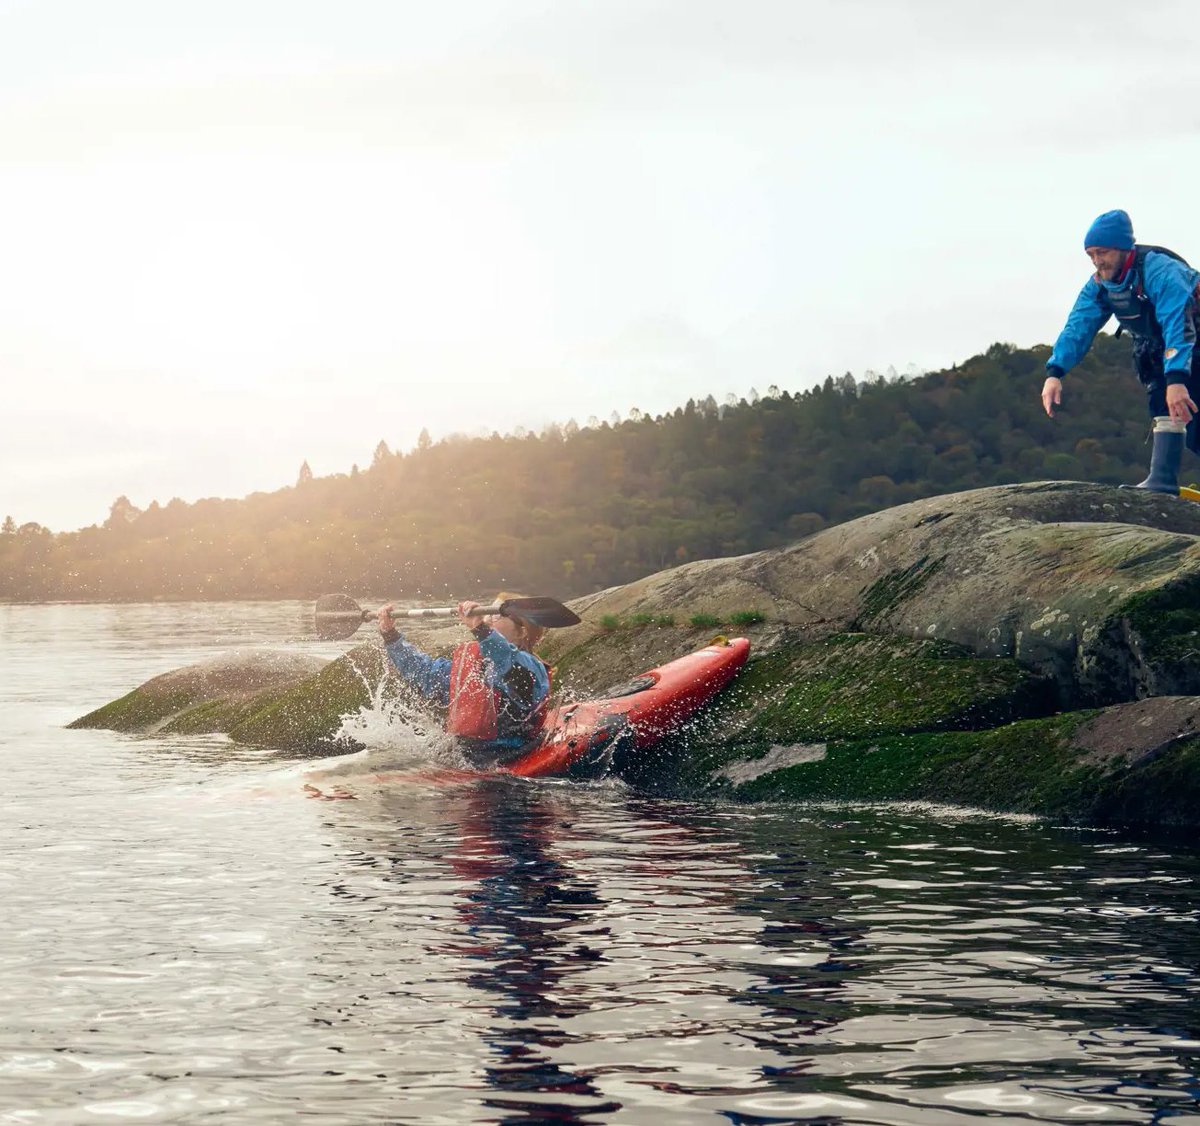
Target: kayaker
{"x":493,"y":687}
{"x":1153,"y":294}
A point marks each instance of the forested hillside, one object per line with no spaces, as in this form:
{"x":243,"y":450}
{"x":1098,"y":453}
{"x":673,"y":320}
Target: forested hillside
{"x":574,"y":509}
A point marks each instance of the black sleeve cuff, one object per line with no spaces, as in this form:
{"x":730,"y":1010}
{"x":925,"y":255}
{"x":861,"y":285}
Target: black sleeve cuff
{"x":390,"y":635}
{"x":1055,"y":371}
{"x":481,"y":631}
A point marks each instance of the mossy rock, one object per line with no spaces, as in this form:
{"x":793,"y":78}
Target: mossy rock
{"x":1133,"y":764}
{"x":283,"y":701}
{"x":1027,"y":766}
{"x":1162,"y":790}
{"x":1165,"y":625}
{"x":205,"y":697}
{"x":854,"y":685}
{"x":305,"y":718}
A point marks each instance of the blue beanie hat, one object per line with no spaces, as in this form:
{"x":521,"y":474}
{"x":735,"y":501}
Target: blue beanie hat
{"x":1113,"y":228}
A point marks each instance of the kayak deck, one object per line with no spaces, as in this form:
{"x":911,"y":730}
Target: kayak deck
{"x":582,"y":737}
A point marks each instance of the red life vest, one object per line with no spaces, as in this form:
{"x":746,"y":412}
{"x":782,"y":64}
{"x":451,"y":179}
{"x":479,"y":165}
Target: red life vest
{"x":475,"y":707}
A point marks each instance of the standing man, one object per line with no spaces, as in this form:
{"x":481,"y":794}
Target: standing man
{"x":1153,"y":293}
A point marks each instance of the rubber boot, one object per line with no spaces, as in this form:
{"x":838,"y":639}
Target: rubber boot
{"x":1165,"y":457}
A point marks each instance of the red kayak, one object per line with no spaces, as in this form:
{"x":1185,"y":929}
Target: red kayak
{"x":581,"y":739}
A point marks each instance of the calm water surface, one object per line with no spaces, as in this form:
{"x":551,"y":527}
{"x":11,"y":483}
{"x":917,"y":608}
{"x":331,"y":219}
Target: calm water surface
{"x":188,"y":935}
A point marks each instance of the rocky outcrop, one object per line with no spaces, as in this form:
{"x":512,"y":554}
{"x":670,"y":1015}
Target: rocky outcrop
{"x":953,"y":649}
{"x":262,"y":697}
{"x":1095,"y":587}
{"x":1129,"y":764}
{"x":211,"y":696}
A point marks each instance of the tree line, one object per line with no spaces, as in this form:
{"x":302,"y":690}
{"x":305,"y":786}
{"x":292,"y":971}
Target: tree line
{"x":575,"y":509}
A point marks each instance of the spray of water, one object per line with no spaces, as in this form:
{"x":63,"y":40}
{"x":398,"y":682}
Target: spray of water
{"x":399,"y":737}
{"x":398,"y":733}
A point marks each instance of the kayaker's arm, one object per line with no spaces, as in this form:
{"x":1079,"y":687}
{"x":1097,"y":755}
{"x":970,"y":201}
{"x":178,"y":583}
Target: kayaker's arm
{"x":428,"y":675}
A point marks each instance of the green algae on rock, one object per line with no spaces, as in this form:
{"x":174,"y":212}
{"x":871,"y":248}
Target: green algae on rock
{"x":305,"y":718}
{"x":204,"y":697}
{"x":282,"y":701}
{"x":1051,"y":766}
{"x":854,"y":685}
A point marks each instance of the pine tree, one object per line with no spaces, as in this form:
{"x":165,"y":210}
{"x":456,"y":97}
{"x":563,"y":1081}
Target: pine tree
{"x":306,"y":474}
{"x":121,"y":513}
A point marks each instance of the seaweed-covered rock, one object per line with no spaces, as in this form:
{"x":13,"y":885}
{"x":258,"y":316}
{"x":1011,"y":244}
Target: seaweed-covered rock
{"x":854,"y":685}
{"x":1132,"y":763}
{"x":284,"y":701}
{"x":305,"y":718}
{"x":205,"y":697}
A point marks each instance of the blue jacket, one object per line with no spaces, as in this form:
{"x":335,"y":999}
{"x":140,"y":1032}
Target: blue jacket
{"x":1168,"y":285}
{"x":516,"y":673}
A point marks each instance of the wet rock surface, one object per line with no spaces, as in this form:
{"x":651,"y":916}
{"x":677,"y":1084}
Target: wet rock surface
{"x":205,"y":697}
{"x":953,"y":649}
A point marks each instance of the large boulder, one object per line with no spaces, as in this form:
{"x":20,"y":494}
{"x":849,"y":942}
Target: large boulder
{"x":922,"y":652}
{"x":210,"y":696}
{"x":1095,"y":587}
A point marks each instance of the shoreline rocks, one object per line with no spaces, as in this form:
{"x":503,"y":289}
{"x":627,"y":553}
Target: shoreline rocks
{"x":1033,"y":648}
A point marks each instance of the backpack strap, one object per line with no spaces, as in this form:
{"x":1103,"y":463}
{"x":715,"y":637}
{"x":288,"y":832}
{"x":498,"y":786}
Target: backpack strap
{"x":1140,"y":260}
{"x":1139,"y":266}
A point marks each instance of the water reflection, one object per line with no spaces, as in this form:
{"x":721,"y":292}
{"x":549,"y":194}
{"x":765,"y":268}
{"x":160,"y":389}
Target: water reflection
{"x":610,"y":954}
{"x":521,"y":908}
{"x":960,"y":978}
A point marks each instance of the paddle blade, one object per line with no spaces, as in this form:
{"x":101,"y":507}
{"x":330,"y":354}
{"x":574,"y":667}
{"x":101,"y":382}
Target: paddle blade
{"x":338,"y":617}
{"x":544,"y":612}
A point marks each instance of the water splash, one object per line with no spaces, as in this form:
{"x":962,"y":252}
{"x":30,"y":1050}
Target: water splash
{"x":400,"y":739}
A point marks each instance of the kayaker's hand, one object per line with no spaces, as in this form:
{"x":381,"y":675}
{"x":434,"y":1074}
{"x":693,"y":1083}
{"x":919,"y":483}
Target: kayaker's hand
{"x":1179,"y":402}
{"x":1051,"y":394}
{"x":469,"y":614}
{"x":387,"y":623}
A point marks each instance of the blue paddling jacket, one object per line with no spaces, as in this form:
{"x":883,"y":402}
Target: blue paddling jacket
{"x":1155,"y":300}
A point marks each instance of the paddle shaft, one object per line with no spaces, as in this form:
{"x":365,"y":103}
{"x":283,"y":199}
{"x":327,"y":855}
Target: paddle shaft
{"x":422,"y":612}
{"x":338,"y":615}
{"x":433,"y":612}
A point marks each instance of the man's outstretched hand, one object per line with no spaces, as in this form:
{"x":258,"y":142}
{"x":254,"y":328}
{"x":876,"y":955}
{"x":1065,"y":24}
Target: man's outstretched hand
{"x":1179,"y":403}
{"x":1052,"y":394}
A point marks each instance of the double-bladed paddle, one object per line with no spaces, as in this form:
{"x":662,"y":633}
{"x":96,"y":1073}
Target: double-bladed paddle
{"x":338,"y":616}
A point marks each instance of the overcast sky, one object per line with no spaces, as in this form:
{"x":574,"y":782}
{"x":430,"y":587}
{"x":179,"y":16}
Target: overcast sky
{"x":238,"y":234}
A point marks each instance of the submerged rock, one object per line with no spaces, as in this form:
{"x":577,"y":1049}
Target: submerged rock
{"x":921,"y":652}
